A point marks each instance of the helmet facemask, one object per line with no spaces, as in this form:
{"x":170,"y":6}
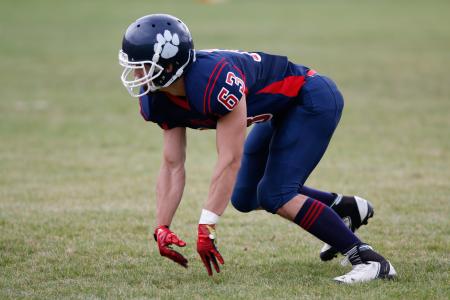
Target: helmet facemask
{"x":133,"y":84}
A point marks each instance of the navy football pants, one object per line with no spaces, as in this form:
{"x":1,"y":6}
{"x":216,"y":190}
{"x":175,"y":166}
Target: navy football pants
{"x":281,"y":154}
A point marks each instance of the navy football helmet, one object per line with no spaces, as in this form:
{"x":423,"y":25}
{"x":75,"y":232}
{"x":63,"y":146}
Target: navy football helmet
{"x":161,"y":47}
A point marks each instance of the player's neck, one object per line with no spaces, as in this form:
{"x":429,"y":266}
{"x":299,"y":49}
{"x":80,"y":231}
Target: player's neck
{"x":176,"y":88}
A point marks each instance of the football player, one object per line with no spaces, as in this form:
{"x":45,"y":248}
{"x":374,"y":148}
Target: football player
{"x":295,"y":111}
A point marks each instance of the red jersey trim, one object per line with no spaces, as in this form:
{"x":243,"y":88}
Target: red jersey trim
{"x":209,"y":81}
{"x":243,"y":78}
{"x":214,"y":84}
{"x":289,"y":86}
{"x":183,"y":103}
{"x":141,"y":110}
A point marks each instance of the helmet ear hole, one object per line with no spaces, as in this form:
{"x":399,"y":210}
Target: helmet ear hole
{"x":169,"y":68}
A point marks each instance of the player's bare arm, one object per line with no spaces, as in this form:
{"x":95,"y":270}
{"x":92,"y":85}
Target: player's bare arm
{"x":171,"y":179}
{"x":230,"y":137}
{"x":169,"y":190}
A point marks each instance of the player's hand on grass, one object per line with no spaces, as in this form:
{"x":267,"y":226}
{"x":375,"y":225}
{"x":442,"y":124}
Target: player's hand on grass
{"x":165,"y":239}
{"x":206,"y":247}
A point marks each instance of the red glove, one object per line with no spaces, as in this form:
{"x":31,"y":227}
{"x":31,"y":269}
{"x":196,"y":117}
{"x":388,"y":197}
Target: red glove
{"x":206,"y":247}
{"x":165,"y":238}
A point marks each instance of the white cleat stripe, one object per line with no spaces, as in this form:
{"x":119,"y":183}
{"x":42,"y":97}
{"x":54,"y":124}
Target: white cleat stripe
{"x":363,"y":207}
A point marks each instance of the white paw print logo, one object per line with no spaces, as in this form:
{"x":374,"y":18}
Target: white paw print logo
{"x":169,"y":44}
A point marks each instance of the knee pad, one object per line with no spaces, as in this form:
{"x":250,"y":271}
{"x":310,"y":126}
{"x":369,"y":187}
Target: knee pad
{"x":244,"y":200}
{"x":271,"y":196}
{"x":265,"y":196}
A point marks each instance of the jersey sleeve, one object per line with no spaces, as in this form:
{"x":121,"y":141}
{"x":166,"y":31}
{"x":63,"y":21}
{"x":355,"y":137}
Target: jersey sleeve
{"x":225,"y":90}
{"x":145,"y":106}
{"x":154,"y":110}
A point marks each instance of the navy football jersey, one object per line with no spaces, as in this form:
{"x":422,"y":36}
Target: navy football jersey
{"x":216,"y":82}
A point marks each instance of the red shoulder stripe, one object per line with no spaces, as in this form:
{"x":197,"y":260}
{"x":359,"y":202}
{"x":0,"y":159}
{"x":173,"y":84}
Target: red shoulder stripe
{"x":214,"y":83}
{"x":209,"y":81}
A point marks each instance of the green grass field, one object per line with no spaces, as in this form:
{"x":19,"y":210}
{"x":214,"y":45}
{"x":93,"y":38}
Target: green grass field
{"x":78,"y":165}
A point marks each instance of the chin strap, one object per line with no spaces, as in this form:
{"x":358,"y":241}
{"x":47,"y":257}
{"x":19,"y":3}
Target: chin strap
{"x":180,"y":71}
{"x":155,"y":58}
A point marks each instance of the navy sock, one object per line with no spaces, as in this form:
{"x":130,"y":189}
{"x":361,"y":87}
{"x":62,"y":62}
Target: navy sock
{"x":322,"y":222}
{"x":324,"y":197}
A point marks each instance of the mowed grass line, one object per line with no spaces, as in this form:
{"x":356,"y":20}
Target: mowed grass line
{"x":78,"y":165}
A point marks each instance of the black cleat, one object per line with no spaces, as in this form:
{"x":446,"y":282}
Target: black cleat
{"x":355,"y":212}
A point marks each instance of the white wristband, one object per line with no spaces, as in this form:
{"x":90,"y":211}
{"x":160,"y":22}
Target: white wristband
{"x":208,"y":217}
